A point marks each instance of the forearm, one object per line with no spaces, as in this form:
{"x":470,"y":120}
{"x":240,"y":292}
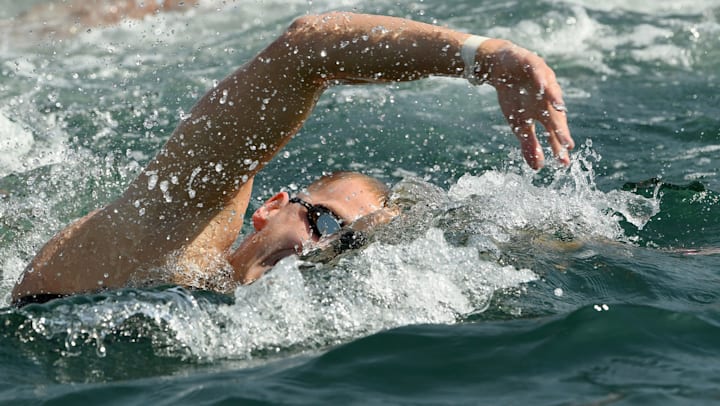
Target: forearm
{"x":368,"y":48}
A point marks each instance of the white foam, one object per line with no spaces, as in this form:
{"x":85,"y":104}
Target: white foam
{"x":15,"y":143}
{"x":696,"y":153}
{"x":579,"y":36}
{"x":21,"y":151}
{"x":513,"y":203}
{"x":385,"y":286}
{"x":658,"y":7}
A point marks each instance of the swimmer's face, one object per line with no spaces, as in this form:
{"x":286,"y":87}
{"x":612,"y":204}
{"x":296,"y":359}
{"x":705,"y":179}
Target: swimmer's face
{"x":282,"y":226}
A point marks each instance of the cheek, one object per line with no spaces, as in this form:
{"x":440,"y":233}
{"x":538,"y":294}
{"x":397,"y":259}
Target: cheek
{"x":292,"y":231}
{"x":300,"y":226}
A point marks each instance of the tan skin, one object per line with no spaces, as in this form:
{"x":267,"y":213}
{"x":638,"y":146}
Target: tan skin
{"x":187,"y":206}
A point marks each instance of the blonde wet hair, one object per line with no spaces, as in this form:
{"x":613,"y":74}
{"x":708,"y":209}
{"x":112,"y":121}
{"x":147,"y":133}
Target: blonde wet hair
{"x":380,"y":190}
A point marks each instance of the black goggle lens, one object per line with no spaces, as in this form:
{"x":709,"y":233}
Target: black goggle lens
{"x":322,"y":220}
{"x":326,"y":224}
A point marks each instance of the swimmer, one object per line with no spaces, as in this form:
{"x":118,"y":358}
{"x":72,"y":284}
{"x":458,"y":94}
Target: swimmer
{"x":177,"y":221}
{"x":75,"y":16}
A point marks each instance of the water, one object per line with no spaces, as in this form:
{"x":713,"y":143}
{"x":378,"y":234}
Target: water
{"x":596,"y":284}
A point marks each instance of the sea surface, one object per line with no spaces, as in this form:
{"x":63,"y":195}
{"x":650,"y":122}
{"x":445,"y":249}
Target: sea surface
{"x":597,"y":284}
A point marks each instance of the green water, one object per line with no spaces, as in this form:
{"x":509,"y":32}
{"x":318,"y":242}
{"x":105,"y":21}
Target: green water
{"x":596,"y":284}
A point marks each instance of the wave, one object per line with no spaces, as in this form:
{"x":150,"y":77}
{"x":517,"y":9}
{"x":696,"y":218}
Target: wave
{"x":593,"y":354}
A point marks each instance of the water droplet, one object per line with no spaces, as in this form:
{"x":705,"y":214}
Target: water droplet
{"x":152,"y":181}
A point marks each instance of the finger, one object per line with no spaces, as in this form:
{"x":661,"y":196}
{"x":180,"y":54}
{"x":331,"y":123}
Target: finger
{"x":559,"y":150}
{"x":559,"y":137}
{"x":554,"y":119}
{"x":556,"y":123}
{"x":558,"y":115}
{"x":529,"y":145}
{"x":523,"y":126}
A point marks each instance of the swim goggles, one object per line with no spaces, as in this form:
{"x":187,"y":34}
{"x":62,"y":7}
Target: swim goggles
{"x":322,"y":220}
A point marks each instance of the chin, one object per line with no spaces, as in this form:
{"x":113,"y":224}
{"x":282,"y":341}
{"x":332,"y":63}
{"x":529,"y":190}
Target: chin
{"x":257,"y":270}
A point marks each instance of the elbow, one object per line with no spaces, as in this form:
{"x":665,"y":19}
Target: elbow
{"x":308,"y":41}
{"x":301,"y":23}
{"x":320,"y":22}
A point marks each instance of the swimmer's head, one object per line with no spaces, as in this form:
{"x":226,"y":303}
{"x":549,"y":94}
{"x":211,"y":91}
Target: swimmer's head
{"x":286,"y":225}
{"x":355,"y":234}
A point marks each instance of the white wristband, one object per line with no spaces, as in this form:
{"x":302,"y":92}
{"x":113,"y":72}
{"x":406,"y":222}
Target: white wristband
{"x":468,"y":53}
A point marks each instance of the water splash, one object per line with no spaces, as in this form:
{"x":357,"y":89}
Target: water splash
{"x":441,"y":262}
{"x":296,"y":306}
{"x":504,"y":203}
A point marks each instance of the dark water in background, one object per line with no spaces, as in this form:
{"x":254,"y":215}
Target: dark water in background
{"x":596,"y":284}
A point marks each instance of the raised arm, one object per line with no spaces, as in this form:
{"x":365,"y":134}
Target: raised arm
{"x":242,"y":123}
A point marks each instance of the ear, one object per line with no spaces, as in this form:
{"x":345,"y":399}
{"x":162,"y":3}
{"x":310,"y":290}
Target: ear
{"x":268,"y":209}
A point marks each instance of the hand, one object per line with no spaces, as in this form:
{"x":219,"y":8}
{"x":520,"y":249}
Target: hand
{"x":528,"y":92}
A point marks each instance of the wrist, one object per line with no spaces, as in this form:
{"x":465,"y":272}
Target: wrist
{"x":484,"y":59}
{"x":469,"y":54}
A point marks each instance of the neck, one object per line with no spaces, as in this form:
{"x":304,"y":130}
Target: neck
{"x":250,"y":261}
